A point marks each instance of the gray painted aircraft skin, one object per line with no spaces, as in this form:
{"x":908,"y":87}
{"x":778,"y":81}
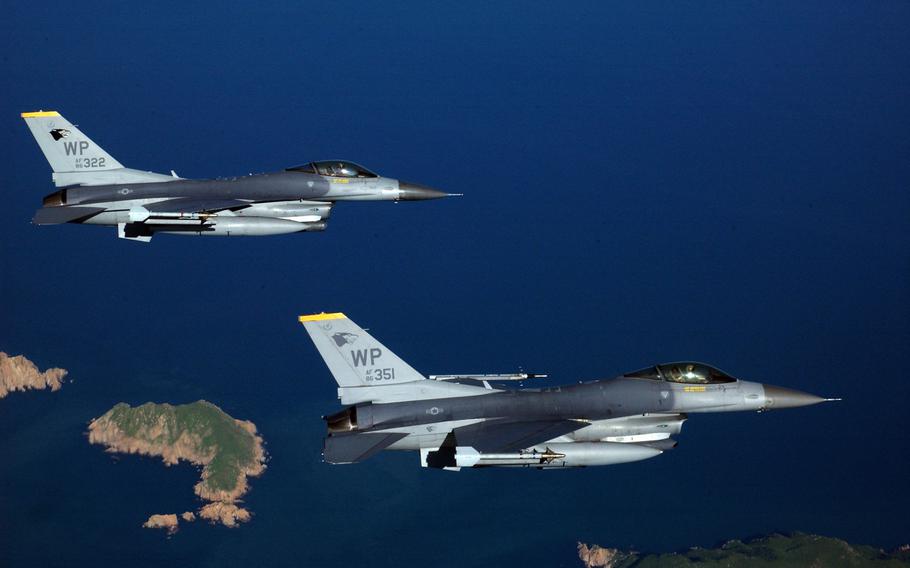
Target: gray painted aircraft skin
{"x":96,"y":189}
{"x":462,"y":420}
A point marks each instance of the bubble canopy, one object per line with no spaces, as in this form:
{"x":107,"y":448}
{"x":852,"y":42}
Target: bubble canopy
{"x":689,"y":372}
{"x":334,"y":168}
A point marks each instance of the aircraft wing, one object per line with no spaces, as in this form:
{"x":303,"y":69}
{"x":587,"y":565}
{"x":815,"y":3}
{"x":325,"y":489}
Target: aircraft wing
{"x":195,"y":205}
{"x":56,"y":215}
{"x":494,"y":436}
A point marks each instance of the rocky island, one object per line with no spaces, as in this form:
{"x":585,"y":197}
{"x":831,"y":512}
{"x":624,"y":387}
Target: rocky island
{"x":795,"y":550}
{"x":228,"y":450}
{"x":19,"y":374}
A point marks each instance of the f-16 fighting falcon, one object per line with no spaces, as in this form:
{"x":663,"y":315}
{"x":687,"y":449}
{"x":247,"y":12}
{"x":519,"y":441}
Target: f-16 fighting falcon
{"x":96,"y":189}
{"x":461,"y":420}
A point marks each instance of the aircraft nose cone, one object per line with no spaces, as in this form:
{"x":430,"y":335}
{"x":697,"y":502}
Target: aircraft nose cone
{"x":779,"y":397}
{"x":414,"y":192}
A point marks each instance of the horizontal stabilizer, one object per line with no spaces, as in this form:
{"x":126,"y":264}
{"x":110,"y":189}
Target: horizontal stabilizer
{"x":351,"y":448}
{"x":493,"y":436}
{"x":57,"y":215}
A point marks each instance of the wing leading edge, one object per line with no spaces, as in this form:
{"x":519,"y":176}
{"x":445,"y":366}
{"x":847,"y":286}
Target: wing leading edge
{"x":494,"y":436}
{"x":194,"y":205}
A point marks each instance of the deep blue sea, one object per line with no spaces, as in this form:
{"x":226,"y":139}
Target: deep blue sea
{"x":643,"y":183}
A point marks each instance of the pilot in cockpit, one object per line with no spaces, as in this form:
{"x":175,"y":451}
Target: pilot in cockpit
{"x":343,"y":169}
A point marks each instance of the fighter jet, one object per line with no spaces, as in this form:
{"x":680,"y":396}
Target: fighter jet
{"x":463,"y":420}
{"x":96,"y":189}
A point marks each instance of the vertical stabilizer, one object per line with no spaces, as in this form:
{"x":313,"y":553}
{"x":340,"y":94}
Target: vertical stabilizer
{"x":75,"y":158}
{"x":355,"y":358}
{"x":66,"y":148}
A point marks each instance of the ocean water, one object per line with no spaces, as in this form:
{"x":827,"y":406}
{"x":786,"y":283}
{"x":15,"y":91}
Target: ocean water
{"x":70,"y":503}
{"x":725,"y":183}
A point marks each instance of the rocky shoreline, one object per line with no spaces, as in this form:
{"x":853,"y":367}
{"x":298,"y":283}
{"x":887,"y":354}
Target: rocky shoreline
{"x":162,"y":437}
{"x":17,"y":373}
{"x":785,"y":550}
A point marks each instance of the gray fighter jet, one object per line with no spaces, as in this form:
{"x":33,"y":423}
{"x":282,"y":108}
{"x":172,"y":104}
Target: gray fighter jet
{"x":96,"y":189}
{"x":459,"y":420}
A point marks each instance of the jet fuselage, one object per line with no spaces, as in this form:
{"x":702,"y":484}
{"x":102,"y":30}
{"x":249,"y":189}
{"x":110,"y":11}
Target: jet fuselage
{"x":591,"y":401}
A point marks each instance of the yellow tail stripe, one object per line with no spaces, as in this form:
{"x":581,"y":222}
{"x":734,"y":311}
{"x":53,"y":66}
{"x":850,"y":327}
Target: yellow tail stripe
{"x":40,"y":113}
{"x":322,"y":316}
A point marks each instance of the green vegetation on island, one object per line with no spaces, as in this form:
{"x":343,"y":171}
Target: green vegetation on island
{"x":796,"y":550}
{"x":230,"y":446}
{"x":201,"y":433}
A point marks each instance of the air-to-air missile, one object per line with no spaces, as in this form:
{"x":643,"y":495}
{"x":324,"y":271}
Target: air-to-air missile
{"x":467,"y":420}
{"x":96,"y":189}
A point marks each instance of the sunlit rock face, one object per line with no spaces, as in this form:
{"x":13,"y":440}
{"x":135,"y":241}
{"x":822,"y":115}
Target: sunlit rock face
{"x":228,"y":450}
{"x":595,"y":556}
{"x":19,"y":374}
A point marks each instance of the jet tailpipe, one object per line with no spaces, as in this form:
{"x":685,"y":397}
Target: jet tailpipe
{"x":344,"y":421}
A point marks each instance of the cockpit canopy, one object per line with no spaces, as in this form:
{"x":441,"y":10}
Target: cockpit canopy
{"x":334,"y":168}
{"x":683,"y":372}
